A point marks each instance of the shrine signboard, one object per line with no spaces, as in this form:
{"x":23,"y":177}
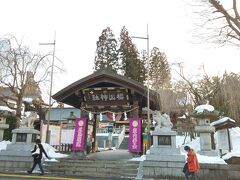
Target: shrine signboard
{"x":110,"y":96}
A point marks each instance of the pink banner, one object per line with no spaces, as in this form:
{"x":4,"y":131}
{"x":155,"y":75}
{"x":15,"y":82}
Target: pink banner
{"x":134,"y":143}
{"x":79,"y":134}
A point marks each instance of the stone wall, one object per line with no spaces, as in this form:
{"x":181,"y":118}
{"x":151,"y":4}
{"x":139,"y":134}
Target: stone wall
{"x":170,"y":170}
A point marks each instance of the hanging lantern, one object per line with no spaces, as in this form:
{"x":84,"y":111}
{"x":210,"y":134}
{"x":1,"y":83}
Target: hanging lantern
{"x":125,"y":116}
{"x":114,"y":117}
{"x":101,"y":117}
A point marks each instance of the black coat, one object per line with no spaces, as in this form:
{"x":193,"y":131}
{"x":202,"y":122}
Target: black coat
{"x":39,"y":157}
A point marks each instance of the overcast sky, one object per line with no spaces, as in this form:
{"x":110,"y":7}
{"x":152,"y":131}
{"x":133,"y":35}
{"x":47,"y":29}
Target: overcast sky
{"x":79,"y":23}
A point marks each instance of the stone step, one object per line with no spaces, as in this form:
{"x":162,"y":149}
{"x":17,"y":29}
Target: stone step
{"x":15,"y":164}
{"x":125,"y":167}
{"x":94,"y":162}
{"x":93,"y":172}
{"x":91,"y":169}
{"x":96,"y":168}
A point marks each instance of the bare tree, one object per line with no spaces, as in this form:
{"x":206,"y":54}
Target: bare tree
{"x":200,"y":88}
{"x":221,"y":20}
{"x":16,"y":61}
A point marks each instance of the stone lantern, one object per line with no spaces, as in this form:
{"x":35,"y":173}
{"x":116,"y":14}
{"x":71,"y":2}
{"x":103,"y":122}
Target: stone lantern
{"x":203,"y":114}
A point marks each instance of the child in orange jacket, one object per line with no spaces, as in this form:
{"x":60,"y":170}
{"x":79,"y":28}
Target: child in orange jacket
{"x":192,"y":163}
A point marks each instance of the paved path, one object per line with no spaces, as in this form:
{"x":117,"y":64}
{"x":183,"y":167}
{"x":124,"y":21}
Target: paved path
{"x":111,"y":155}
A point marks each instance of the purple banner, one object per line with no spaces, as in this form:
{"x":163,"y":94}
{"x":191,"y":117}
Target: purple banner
{"x":79,"y":134}
{"x":134,"y":143}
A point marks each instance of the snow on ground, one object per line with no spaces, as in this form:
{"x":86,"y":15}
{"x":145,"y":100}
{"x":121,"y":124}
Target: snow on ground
{"x":3,"y":144}
{"x":49,"y":150}
{"x":195,"y":144}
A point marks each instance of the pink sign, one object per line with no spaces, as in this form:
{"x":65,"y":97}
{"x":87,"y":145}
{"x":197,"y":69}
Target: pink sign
{"x":134,"y":143}
{"x":79,"y":134}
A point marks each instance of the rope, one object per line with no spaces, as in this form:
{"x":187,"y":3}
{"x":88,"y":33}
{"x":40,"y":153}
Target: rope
{"x":103,"y":112}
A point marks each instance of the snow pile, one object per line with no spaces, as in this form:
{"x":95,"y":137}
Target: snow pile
{"x":51,"y":152}
{"x":3,"y":144}
{"x":142,"y":158}
{"x":204,"y":107}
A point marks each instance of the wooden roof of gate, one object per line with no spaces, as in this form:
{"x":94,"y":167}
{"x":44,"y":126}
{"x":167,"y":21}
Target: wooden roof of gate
{"x":102,"y":78}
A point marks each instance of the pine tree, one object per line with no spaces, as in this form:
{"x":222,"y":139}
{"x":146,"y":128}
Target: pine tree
{"x":159,"y":70}
{"x":131,"y":64}
{"x":106,"y":52}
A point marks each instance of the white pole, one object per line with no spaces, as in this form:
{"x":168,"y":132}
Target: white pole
{"x":148,"y":67}
{"x":51,"y":83}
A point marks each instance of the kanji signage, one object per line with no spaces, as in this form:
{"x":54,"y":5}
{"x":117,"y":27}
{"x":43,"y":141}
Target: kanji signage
{"x":164,"y":140}
{"x":110,"y":96}
{"x":134,"y":144}
{"x":79,"y":134}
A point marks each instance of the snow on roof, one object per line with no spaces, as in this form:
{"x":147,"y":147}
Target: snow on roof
{"x":203,"y":107}
{"x":5,"y":108}
{"x":28,"y":99}
{"x":223,"y":120}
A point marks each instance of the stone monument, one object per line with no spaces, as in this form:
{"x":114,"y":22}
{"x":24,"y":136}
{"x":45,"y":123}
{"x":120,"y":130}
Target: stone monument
{"x":23,"y":139}
{"x":203,"y":114}
{"x":164,"y":140}
{"x":164,"y":156}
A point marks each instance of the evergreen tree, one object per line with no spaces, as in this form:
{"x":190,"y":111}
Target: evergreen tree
{"x":159,"y":70}
{"x":131,"y":65}
{"x":143,"y":67}
{"x":106,"y":52}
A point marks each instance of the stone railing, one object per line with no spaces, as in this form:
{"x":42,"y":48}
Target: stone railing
{"x":121,"y":136}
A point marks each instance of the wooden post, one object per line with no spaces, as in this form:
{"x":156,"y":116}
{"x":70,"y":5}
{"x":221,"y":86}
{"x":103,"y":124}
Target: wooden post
{"x":60,"y":134}
{"x":84,"y":115}
{"x":135,"y":111}
{"x":94,"y":132}
{"x":229,"y":141}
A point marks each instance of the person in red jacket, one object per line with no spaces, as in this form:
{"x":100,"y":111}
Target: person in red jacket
{"x":192,"y":163}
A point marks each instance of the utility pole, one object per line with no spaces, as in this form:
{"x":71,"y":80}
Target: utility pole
{"x":50,"y":91}
{"x":148,"y":101}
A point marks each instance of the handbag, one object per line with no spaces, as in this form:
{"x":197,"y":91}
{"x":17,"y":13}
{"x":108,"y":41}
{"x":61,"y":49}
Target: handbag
{"x":36,"y":153}
{"x":185,"y":168}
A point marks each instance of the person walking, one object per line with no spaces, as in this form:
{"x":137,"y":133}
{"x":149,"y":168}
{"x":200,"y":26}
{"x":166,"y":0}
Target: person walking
{"x":192,"y":164}
{"x":37,"y":156}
